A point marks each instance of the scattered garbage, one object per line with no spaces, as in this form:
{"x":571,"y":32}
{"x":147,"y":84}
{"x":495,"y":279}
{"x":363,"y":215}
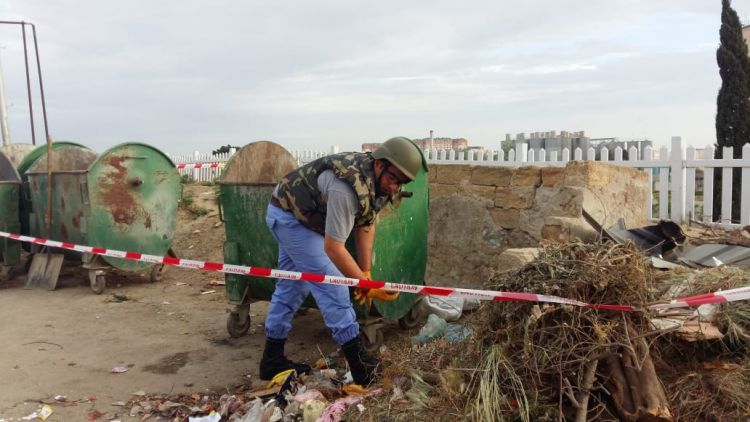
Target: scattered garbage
{"x":95,"y":415}
{"x":449,"y":308}
{"x":434,"y":328}
{"x":211,"y":417}
{"x":667,"y":246}
{"x":715,"y":255}
{"x":655,"y":240}
{"x":288,"y":396}
{"x":309,"y":395}
{"x":456,"y":332}
{"x":312,"y":410}
{"x":324,"y":362}
{"x":328,"y":373}
{"x":118,"y":370}
{"x":30,"y":417}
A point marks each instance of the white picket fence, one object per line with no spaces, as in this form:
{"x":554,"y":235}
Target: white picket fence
{"x":205,"y":175}
{"x":208,"y":175}
{"x":675,"y":195}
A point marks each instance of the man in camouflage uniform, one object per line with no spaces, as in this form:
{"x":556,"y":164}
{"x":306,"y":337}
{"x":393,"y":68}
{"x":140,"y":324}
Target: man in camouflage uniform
{"x":312,"y":212}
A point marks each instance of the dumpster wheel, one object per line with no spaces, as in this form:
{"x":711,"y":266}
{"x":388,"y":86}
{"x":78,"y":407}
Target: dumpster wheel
{"x":98,"y":281}
{"x":411,"y":320}
{"x":235,"y":327}
{"x":372,"y":340}
{"x":157,"y":272}
{"x":6,"y":272}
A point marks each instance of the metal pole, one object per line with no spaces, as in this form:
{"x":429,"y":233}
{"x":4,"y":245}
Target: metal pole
{"x":28,"y":84}
{"x":41,"y":85}
{"x":3,"y":110}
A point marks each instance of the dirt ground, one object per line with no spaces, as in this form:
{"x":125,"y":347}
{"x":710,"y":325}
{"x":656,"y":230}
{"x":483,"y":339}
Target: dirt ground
{"x":171,"y":335}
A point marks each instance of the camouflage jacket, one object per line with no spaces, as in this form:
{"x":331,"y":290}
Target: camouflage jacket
{"x":298,"y":191}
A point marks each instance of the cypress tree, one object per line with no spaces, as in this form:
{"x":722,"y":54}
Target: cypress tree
{"x":732,"y":103}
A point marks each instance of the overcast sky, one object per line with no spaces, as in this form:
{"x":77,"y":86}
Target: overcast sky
{"x":193,"y":75}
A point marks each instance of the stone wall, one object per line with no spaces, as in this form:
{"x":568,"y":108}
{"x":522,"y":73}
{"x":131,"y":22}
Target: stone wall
{"x":477,"y":212}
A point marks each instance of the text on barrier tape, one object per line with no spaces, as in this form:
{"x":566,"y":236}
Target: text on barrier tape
{"x":742,"y":293}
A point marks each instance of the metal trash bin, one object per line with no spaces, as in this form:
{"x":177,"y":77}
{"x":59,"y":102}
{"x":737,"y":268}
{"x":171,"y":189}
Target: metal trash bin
{"x":124,"y":199}
{"x":245,"y":189}
{"x":23,"y":162}
{"x":10,"y":188}
{"x":399,"y":252}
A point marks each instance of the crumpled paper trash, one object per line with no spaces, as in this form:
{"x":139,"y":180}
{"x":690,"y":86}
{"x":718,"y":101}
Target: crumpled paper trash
{"x":434,"y":328}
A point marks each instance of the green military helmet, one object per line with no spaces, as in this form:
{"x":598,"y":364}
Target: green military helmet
{"x":404,"y":154}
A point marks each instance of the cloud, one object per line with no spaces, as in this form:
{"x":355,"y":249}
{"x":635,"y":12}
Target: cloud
{"x":185,"y":75}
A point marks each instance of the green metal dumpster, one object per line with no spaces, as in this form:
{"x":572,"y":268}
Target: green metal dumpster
{"x":399,"y":252}
{"x":124,"y":199}
{"x":23,"y":162}
{"x":244,"y":192}
{"x":10,"y":188}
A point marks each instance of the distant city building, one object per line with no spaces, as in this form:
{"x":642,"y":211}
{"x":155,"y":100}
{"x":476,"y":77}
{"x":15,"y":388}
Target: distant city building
{"x":437,"y":143}
{"x":554,"y":142}
{"x":442,"y":143}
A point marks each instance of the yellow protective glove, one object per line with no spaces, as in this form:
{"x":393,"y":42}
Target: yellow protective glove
{"x":360,"y":295}
{"x":365,"y":296}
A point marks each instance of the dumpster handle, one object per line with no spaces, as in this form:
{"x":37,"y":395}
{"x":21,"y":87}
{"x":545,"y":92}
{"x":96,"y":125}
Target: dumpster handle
{"x":221,"y":214}
{"x":84,"y":192}
{"x":26,"y":193}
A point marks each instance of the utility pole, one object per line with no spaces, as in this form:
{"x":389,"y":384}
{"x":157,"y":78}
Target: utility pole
{"x":432,"y":143}
{"x":3,"y":109}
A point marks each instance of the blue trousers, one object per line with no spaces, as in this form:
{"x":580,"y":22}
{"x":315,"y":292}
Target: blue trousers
{"x":301,"y":249}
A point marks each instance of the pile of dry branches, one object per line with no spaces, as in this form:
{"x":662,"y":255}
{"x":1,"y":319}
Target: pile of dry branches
{"x":552,"y":361}
{"x":549,"y":362}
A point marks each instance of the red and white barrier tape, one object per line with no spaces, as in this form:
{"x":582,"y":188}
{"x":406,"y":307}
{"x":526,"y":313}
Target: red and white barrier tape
{"x":742,"y":293}
{"x":724,"y":296}
{"x":199,"y":165}
{"x":314,"y":278}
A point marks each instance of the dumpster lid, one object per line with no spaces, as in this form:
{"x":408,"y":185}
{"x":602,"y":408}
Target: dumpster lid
{"x":30,"y":158}
{"x":8,"y":171}
{"x":261,"y":162}
{"x":64,"y":158}
{"x":17,"y":152}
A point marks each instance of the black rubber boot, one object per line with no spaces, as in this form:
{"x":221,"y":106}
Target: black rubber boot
{"x":363,"y":365}
{"x":274,"y":361}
